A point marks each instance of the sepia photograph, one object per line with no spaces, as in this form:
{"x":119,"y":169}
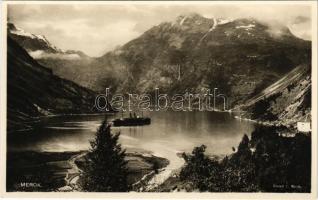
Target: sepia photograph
{"x":159,"y":97}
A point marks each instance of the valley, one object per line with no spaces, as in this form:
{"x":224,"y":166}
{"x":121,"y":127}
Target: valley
{"x":265,"y":77}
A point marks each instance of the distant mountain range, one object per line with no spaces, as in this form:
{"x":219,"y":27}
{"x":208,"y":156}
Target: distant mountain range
{"x":33,"y":91}
{"x":241,"y":57}
{"x":67,"y":64}
{"x":38,"y":46}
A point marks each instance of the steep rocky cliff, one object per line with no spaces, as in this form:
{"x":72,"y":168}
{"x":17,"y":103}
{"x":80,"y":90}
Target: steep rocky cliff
{"x":285,"y":102}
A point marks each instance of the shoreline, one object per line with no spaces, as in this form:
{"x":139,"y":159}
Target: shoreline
{"x":264,"y":123}
{"x":65,"y":167}
{"x":61,"y":171}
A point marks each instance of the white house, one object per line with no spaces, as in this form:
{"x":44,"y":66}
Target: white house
{"x":304,"y":127}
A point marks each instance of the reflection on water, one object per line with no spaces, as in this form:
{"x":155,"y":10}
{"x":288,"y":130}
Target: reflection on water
{"x":169,"y":133}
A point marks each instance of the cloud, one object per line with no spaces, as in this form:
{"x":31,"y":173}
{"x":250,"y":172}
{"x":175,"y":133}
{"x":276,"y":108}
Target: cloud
{"x":95,"y":29}
{"x":301,"y":19}
{"x":39,"y":54}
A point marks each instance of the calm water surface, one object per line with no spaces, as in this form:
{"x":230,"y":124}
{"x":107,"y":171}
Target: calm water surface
{"x":169,"y":132}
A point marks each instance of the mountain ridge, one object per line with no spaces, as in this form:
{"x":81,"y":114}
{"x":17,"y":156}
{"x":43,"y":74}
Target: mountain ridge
{"x":34,"y":91}
{"x":199,"y":46}
{"x":36,"y":43}
{"x":286,"y":101}
{"x":240,"y":57}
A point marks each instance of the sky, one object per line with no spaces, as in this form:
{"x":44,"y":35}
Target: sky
{"x":97,"y":29}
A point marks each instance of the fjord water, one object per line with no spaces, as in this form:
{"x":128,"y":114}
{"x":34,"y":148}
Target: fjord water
{"x":169,"y":133}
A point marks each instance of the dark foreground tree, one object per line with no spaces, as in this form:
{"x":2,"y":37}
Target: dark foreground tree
{"x":205,"y":174}
{"x":106,"y":169}
{"x":266,"y":163}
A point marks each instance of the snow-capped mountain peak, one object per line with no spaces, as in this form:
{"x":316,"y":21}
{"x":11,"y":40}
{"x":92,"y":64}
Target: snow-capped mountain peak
{"x":21,"y":32}
{"x":39,"y":42}
{"x":39,"y":47}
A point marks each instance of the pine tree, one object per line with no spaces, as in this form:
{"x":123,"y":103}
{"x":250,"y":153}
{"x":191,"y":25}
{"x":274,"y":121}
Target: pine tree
{"x":106,"y":170}
{"x":244,"y":143}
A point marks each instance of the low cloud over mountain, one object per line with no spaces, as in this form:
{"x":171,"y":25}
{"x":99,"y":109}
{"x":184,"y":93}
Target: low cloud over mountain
{"x":113,"y":25}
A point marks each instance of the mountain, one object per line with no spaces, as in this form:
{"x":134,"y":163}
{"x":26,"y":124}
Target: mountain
{"x":240,"y":57}
{"x":69,"y":64}
{"x":33,"y":90}
{"x":38,"y":46}
{"x":31,"y":42}
{"x":288,"y":100}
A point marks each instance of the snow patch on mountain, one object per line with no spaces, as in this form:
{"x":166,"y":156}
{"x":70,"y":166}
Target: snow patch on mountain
{"x":43,"y":38}
{"x":215,"y":23}
{"x":21,"y":32}
{"x":246,"y":27}
{"x":182,"y":21}
{"x":14,"y":30}
{"x":223,"y":21}
{"x":39,"y":47}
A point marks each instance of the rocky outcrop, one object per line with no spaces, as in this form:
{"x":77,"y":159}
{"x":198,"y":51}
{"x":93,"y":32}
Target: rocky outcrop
{"x":285,"y":102}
